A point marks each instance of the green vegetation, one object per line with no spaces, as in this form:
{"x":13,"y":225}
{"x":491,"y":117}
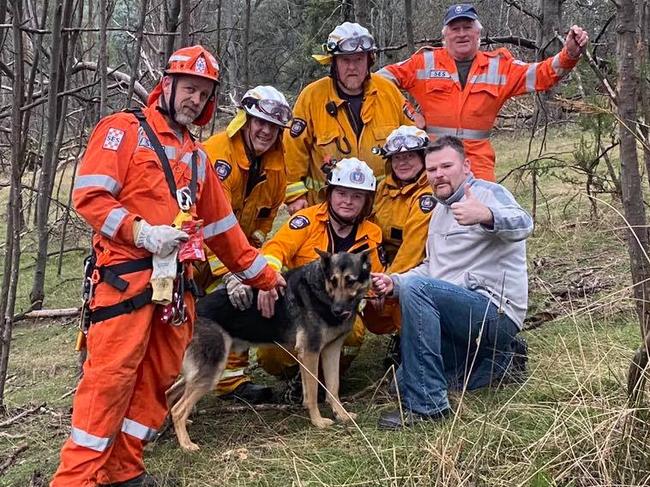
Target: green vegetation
{"x":568,"y":425}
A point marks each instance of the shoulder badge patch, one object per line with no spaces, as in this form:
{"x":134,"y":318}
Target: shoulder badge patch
{"x":298,"y":222}
{"x":223,"y":169}
{"x":297,"y":127}
{"x":113,"y":139}
{"x":427,"y":202}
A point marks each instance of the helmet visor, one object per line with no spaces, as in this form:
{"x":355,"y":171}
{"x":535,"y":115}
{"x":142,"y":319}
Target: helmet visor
{"x":404,"y":143}
{"x":355,"y":44}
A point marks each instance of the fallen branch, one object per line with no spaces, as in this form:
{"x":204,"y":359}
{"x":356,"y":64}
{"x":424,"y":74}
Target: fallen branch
{"x":47,"y":313}
{"x":12,"y":458}
{"x":20,"y":416}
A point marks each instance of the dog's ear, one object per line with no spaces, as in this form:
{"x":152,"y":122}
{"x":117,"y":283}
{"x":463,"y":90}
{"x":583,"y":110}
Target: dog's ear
{"x":366,"y":264}
{"x":325,"y":259}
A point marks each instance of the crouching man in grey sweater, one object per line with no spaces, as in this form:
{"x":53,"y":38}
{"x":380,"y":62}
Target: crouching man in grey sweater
{"x":463,"y":306}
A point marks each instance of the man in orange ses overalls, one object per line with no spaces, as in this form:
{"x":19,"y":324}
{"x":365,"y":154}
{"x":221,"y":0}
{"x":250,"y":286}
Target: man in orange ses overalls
{"x":461,"y":89}
{"x":141,"y":173}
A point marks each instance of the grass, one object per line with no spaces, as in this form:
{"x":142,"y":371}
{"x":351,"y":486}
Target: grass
{"x":568,"y":425}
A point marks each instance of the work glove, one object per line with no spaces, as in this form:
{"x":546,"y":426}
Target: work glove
{"x":158,"y":239}
{"x":162,"y":277}
{"x":240,"y":295}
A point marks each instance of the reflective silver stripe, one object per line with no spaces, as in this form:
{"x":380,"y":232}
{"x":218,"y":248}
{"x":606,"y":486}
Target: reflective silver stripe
{"x":555,"y":64}
{"x":387,"y":74}
{"x":454,"y":77}
{"x":203,"y":164}
{"x":492,"y":77}
{"x":138,"y":430}
{"x":82,"y":438}
{"x":220,"y":226}
{"x":254,"y":269}
{"x":230,"y":373}
{"x":531,"y":77}
{"x":179,"y":57}
{"x":98,"y":181}
{"x":465,"y":134}
{"x":429,"y":65}
{"x":170,"y":152}
{"x":113,"y":221}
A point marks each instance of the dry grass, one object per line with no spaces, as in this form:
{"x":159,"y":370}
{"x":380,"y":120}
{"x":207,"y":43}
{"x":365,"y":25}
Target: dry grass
{"x":568,"y":425}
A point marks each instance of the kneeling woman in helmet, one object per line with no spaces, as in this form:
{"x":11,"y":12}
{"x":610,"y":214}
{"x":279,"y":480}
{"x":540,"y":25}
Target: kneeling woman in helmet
{"x":336,"y":225}
{"x":402,"y":209}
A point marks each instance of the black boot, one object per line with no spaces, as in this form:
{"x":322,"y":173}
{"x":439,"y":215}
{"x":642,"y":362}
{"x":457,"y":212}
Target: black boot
{"x":251,"y":393}
{"x":144,"y":480}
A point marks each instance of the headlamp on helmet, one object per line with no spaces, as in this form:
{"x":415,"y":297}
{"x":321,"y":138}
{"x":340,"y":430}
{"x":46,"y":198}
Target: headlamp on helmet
{"x":349,"y":38}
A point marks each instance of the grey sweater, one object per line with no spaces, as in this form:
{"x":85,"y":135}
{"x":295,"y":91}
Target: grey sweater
{"x":489,"y":261}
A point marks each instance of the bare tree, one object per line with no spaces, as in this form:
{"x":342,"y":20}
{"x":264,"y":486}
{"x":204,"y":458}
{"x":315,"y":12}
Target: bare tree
{"x":633,"y":206}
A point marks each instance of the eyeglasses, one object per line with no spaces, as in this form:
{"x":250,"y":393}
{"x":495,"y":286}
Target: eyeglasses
{"x":404,"y":142}
{"x":352,"y":44}
{"x":274,"y":109}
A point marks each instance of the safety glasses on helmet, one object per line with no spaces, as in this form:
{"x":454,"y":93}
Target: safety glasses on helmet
{"x":352,"y":44}
{"x":404,"y":143}
{"x":272,"y":108}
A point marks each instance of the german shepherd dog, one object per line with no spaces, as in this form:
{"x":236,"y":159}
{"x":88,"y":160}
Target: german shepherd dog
{"x":312,"y":317}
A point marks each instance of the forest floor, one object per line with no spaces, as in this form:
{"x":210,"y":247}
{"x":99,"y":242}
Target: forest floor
{"x":569,"y":424}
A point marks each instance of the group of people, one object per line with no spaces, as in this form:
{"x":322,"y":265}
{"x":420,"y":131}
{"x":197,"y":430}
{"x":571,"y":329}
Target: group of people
{"x":358,"y":168}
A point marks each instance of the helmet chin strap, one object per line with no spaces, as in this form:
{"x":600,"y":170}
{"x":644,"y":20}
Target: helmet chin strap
{"x":168,"y":109}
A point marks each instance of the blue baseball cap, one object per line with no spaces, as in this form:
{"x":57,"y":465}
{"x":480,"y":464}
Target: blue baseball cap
{"x":460,"y":11}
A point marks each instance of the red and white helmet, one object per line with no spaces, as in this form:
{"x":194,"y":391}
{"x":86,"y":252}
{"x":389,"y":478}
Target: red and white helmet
{"x":192,"y":61}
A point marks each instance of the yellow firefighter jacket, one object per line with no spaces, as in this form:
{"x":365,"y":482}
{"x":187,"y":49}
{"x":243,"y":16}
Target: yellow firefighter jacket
{"x":321,"y":130}
{"x":294,"y":243}
{"x":403,"y":215}
{"x":256,"y":211}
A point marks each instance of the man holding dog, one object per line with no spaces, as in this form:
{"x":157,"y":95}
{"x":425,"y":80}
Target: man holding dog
{"x":461,"y":89}
{"x":141,"y":177}
{"x":464,"y":305}
{"x":249,"y":160}
{"x":342,"y":115}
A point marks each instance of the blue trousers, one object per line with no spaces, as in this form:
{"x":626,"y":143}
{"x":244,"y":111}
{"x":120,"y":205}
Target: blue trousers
{"x":449,"y":335}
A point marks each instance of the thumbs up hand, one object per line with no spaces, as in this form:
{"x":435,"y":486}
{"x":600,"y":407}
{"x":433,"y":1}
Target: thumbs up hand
{"x":470,"y":211}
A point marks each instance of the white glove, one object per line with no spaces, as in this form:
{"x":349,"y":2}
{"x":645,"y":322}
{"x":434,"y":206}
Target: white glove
{"x":240,"y":295}
{"x":160,"y":240}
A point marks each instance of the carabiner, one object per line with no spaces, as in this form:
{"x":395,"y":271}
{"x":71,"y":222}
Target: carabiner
{"x":184,"y":198}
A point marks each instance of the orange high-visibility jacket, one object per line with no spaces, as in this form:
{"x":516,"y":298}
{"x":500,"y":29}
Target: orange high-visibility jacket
{"x":120,"y":179}
{"x":294,"y":243}
{"x":257,"y":210}
{"x":403,"y":214}
{"x":321,"y":130}
{"x":431,"y":77}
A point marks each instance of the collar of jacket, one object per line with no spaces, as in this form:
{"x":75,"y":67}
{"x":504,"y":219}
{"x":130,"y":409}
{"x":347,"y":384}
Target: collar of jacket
{"x":272,"y":159}
{"x":393,"y":188}
{"x":459,"y":193}
{"x":444,"y":60}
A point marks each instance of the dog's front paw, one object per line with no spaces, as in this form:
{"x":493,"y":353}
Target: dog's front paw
{"x":345,"y":417}
{"x":190,"y":447}
{"x":322,"y":422}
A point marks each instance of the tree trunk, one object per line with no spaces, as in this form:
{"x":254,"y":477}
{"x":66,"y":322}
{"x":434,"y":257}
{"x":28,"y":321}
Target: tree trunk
{"x":637,"y":237}
{"x":246,"y":46}
{"x":347,"y":11}
{"x":12,"y":259}
{"x":138,"y":50}
{"x":408,"y":19}
{"x":185,"y":17}
{"x":171,"y":25}
{"x":102,"y":64}
{"x":49,"y":163}
{"x":362,"y":13}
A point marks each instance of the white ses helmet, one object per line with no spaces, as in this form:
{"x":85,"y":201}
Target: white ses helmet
{"x":405,"y":138}
{"x":352,"y":173}
{"x":267,"y":103}
{"x":348,"y":38}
